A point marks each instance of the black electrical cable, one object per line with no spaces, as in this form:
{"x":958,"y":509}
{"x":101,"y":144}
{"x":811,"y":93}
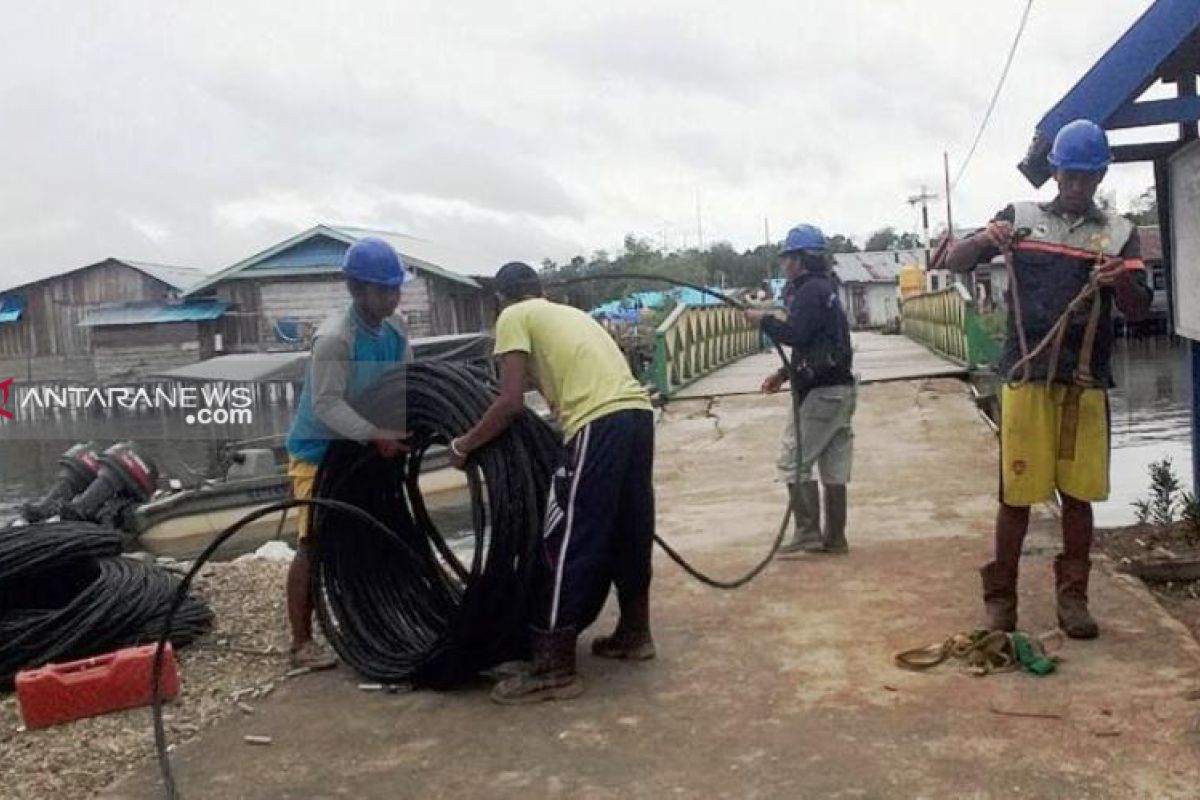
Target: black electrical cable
{"x":432,"y":620}
{"x":392,"y":597}
{"x":67,"y":593}
{"x":181,"y":596}
{"x":673,"y":554}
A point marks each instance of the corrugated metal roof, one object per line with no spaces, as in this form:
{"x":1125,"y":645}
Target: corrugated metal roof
{"x":420,"y":255}
{"x":879,"y":266}
{"x":11,"y":306}
{"x":448,"y":262}
{"x":179,"y":277}
{"x":152,"y":313}
{"x":289,"y":366}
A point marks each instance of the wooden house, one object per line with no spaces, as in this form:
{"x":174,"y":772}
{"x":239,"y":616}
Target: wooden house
{"x":279,"y":296}
{"x":68,"y":327}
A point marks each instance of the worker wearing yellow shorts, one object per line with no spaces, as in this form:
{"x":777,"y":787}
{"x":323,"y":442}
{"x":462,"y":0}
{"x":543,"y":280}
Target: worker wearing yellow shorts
{"x":1068,"y":262}
{"x":350,"y":351}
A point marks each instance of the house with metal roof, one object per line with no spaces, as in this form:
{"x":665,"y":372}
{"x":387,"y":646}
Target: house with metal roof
{"x":869,"y":284}
{"x":112,"y":319}
{"x":278,"y":297}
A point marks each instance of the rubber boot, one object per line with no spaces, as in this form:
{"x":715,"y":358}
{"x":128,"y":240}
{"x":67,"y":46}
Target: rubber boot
{"x":834,"y":542}
{"x":806,"y":511}
{"x":631,"y":641}
{"x":1000,"y":596}
{"x":552,"y":676}
{"x":1071,"y":585}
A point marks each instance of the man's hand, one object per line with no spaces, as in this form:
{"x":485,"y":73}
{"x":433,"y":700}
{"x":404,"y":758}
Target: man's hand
{"x":458,"y":455}
{"x":1000,"y":233}
{"x":773,"y":383}
{"x":755,"y":316}
{"x":390,"y":443}
{"x":1110,"y":272}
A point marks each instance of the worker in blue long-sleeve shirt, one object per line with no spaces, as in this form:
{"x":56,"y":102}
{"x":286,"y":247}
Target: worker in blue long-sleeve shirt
{"x":818,"y":333}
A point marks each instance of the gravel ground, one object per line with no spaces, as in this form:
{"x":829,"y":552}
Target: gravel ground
{"x":244,"y":651}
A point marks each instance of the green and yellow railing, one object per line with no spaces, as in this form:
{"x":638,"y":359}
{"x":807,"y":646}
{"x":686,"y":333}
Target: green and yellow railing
{"x":949,"y":323}
{"x":694,"y":341}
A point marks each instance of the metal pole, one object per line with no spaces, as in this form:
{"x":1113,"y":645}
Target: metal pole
{"x":1196,"y":418}
{"x":949,"y":212}
{"x":1162,"y":198}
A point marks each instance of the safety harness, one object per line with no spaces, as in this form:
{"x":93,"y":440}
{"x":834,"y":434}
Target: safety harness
{"x":1041,"y":231}
{"x":983,"y":652}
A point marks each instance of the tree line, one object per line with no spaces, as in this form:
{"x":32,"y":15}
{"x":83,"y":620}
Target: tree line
{"x":717,"y":265}
{"x":722,"y":265}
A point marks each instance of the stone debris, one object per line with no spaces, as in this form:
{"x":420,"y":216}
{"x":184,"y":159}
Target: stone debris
{"x":242,"y":659}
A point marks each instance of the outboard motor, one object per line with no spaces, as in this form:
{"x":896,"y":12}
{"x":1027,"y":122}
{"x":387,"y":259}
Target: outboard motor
{"x":77,"y":468}
{"x":125,"y":478}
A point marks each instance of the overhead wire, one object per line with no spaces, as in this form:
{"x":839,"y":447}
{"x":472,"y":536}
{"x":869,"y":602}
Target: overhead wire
{"x":987,"y":116}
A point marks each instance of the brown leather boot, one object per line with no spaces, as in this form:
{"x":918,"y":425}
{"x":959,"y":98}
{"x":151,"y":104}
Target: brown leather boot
{"x":553,"y":675}
{"x":1000,"y":596}
{"x":1071,"y":584}
{"x":631,"y":641}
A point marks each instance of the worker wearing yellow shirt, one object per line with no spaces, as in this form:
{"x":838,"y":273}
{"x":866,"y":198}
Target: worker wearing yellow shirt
{"x":600,"y":515}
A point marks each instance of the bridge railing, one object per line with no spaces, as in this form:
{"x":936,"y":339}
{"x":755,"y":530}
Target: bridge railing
{"x":694,"y":341}
{"x":949,"y":323}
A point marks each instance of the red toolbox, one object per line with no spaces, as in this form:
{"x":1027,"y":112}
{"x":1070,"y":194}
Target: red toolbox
{"x":59,"y":693}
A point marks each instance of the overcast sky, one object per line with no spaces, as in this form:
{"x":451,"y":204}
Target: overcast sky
{"x":199,"y":133}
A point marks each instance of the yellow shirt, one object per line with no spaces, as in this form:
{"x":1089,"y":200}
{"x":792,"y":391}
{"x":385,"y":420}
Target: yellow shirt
{"x":578,"y":367}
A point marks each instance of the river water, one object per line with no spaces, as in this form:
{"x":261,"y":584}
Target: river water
{"x":1150,"y":416}
{"x":1151,"y":420}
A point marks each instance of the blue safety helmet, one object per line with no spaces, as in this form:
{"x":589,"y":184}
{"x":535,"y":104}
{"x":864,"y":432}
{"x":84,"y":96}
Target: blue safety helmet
{"x":803,"y":238}
{"x":1080,"y":146}
{"x":373,"y":260}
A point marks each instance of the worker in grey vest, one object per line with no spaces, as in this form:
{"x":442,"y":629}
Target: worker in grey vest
{"x":1068,"y":262}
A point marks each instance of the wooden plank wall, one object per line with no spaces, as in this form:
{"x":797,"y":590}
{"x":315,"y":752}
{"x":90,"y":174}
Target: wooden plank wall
{"x":47,"y":340}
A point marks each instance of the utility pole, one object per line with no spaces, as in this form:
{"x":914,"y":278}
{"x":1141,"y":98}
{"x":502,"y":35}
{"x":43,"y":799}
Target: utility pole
{"x":923,"y":198}
{"x":949,"y":211}
{"x":699,"y":226}
{"x":766,"y":232}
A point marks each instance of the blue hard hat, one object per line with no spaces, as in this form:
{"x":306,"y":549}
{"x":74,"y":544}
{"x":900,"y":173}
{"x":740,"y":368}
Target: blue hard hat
{"x":1080,"y":146}
{"x":803,"y":237}
{"x":373,"y":260}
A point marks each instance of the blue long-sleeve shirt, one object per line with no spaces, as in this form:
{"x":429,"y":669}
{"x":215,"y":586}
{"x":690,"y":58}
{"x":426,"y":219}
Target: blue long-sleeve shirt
{"x":816,"y":329}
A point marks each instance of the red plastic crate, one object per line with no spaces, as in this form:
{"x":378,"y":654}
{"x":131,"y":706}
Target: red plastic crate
{"x":59,"y":693}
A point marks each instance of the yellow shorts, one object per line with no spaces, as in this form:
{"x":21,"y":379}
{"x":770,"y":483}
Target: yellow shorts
{"x":303,"y":475}
{"x":1053,"y":438}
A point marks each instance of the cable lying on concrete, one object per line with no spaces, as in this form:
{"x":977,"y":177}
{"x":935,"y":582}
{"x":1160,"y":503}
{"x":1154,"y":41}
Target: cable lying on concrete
{"x":67,"y":593}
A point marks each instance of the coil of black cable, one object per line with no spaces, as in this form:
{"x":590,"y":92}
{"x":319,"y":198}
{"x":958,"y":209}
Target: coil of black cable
{"x":67,"y":593}
{"x":404,"y":608}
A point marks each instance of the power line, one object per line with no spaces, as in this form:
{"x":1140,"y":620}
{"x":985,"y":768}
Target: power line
{"x":1012,"y":51}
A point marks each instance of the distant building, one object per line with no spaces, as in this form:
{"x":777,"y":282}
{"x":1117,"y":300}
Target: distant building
{"x":278,"y":297}
{"x":870,"y":284}
{"x":1156,"y":272}
{"x":100,"y":322}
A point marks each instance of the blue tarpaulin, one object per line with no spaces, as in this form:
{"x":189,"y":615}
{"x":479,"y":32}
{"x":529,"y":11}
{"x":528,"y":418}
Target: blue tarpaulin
{"x":153,"y":313}
{"x":11,"y":306}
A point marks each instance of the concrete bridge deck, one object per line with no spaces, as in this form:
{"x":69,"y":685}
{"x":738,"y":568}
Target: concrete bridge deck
{"x":877,"y":358}
{"x":784,"y":689}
